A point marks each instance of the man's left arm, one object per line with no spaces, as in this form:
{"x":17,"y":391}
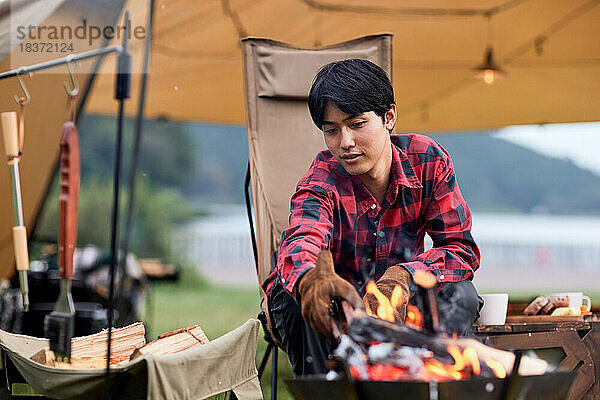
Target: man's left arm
{"x":454,"y":256}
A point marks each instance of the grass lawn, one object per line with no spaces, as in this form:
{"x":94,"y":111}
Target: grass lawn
{"x":220,"y":309}
{"x":217,"y":309}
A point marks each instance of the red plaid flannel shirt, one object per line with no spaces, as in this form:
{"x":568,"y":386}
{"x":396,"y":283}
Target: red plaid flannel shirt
{"x":334,"y":210}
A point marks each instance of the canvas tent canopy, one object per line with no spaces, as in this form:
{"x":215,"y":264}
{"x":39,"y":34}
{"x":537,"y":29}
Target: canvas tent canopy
{"x":548,"y":48}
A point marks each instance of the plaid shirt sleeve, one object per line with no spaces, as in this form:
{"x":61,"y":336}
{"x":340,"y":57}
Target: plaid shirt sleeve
{"x":310,"y":231}
{"x":455,"y":255}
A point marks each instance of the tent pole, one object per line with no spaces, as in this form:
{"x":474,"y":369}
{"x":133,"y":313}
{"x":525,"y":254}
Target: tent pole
{"x":139,"y":120}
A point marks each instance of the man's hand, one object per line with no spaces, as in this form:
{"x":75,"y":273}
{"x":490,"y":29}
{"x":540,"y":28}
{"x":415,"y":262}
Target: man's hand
{"x":318,"y":287}
{"x":395,"y":275}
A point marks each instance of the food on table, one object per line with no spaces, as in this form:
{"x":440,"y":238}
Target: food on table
{"x":543,"y":305}
{"x":536,"y":305}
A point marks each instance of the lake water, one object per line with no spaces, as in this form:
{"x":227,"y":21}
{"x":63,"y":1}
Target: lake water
{"x":528,"y":253}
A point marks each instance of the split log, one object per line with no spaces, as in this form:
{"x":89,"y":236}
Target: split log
{"x":367,"y":329}
{"x":46,"y":357}
{"x":173,"y":342}
{"x":90,"y":351}
{"x":123,"y":342}
{"x":128,"y":343}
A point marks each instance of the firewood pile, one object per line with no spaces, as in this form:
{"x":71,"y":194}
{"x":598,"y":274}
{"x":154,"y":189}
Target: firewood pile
{"x":127,"y":343}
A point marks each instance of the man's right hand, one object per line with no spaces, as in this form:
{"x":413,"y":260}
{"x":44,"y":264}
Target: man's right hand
{"x":318,"y":287}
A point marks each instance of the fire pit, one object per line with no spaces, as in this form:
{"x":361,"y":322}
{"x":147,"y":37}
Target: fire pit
{"x":426,"y":366}
{"x":377,"y":358}
{"x":550,"y":386}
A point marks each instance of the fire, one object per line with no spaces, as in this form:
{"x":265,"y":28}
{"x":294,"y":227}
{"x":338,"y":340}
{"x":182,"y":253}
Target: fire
{"x":384,"y":310}
{"x":386,"y":307}
{"x":459,"y":360}
{"x":495,"y":366}
{"x":470,"y":355}
{"x":466,"y":362}
{"x":435,"y":369}
{"x":413,"y":317}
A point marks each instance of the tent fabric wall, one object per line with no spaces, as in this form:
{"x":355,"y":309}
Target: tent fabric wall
{"x":283,"y":140}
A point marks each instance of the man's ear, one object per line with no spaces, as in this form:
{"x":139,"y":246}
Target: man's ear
{"x":390,"y":118}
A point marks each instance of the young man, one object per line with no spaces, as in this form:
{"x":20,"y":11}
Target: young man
{"x":368,"y":200}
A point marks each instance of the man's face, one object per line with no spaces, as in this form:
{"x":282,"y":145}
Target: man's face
{"x":361,"y":143}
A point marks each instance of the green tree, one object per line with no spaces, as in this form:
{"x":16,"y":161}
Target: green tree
{"x":166,"y":152}
{"x":157,"y":210}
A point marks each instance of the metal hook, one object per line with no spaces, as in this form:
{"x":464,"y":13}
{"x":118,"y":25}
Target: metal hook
{"x":27,"y":96}
{"x":75,"y":90}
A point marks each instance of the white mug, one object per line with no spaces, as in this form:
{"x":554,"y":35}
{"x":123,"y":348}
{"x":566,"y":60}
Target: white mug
{"x":575,"y":299}
{"x":494,"y":309}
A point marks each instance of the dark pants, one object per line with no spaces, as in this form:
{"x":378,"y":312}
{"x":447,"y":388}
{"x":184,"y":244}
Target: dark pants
{"x":458,"y":307}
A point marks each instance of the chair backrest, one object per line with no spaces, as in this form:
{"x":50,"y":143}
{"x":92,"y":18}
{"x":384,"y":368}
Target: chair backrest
{"x":283,"y":141}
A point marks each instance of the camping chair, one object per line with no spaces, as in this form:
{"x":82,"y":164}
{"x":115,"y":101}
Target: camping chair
{"x":283,"y":140}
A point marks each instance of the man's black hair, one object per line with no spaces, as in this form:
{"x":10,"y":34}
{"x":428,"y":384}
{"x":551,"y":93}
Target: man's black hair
{"x":355,"y":86}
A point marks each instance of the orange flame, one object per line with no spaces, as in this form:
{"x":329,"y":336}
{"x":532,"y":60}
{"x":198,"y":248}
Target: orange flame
{"x":435,"y":369}
{"x":413,"y":317}
{"x":396,"y":300}
{"x":466,"y":364}
{"x":384,"y":310}
{"x":386,"y":307}
{"x":459,"y":360}
{"x":470,"y":356}
{"x":496,"y":367}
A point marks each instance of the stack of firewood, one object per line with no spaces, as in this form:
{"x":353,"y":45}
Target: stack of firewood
{"x":127,"y":343}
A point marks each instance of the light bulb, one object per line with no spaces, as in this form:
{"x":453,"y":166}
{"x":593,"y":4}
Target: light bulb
{"x":489,"y":76}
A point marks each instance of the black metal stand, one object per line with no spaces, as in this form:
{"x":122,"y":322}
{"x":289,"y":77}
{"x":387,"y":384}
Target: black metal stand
{"x":122,"y":91}
{"x":135,"y":151}
{"x":261,"y":316}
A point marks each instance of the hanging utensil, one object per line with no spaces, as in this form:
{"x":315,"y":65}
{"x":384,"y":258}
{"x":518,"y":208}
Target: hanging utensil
{"x":11,"y":146}
{"x":59,"y":325}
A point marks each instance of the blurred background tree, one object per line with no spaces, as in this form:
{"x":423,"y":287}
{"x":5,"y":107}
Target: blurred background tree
{"x":165,"y":163}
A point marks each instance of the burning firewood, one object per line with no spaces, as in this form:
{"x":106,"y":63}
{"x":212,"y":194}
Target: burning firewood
{"x":456,"y":353}
{"x":377,"y":347}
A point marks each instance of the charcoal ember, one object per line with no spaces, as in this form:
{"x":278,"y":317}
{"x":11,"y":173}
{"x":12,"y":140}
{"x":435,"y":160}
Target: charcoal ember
{"x":353,"y":354}
{"x":369,"y":330}
{"x":408,"y":358}
{"x":381,"y":352}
